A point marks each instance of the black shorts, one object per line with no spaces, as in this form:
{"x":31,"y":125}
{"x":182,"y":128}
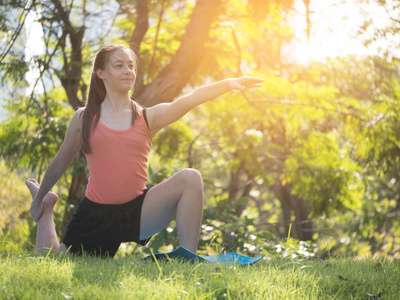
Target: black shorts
{"x":99,"y":229}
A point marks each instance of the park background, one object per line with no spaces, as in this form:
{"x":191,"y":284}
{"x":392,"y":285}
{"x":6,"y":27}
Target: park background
{"x":307,"y":166}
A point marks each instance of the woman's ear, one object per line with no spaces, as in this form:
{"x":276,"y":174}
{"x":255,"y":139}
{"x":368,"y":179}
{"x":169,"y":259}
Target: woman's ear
{"x":99,"y":73}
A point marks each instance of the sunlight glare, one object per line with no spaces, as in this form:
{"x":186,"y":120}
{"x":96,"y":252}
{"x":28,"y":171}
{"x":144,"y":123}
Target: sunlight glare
{"x":333,"y":30}
{"x":34,"y":47}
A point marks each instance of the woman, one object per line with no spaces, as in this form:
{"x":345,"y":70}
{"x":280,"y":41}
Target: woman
{"x":116,"y":134}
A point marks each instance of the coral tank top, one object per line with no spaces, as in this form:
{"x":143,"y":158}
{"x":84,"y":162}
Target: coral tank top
{"x":118,"y":162}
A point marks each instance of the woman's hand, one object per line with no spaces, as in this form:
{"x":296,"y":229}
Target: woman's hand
{"x":245,"y":82}
{"x":36,"y":209}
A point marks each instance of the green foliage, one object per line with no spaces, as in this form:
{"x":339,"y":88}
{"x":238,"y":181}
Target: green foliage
{"x":173,"y":141}
{"x":374,"y":147}
{"x":14,"y":203}
{"x":34,"y":132}
{"x":323,"y":174}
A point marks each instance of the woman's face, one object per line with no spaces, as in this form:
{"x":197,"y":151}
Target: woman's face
{"x":119,"y":73}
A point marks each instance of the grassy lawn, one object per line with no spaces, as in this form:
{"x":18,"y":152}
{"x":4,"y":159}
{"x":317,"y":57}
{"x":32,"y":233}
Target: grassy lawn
{"x":33,"y":276}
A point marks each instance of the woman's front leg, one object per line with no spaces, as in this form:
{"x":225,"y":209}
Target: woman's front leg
{"x":46,"y":237}
{"x":179,"y":196}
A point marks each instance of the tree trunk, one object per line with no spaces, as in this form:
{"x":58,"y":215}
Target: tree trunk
{"x":292,"y":205}
{"x":284,"y":199}
{"x":246,"y":193}
{"x":303,"y":223}
{"x":171,"y":80}
{"x":75,"y":194}
{"x":233,"y":187}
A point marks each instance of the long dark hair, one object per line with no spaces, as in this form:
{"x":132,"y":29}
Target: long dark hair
{"x":97,"y":93}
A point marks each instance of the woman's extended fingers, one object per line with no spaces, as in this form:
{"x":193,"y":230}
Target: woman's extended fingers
{"x":250,"y":81}
{"x":245,"y":82}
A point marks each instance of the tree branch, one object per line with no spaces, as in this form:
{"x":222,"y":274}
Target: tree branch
{"x":63,"y":15}
{"x":383,"y":3}
{"x":308,"y":12}
{"x":16,"y":33}
{"x":239,"y":55}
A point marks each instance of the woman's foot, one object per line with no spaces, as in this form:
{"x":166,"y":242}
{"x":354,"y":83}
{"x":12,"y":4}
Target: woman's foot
{"x":48,"y":201}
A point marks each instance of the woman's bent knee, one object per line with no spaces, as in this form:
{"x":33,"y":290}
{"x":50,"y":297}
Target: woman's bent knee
{"x":192,"y":177}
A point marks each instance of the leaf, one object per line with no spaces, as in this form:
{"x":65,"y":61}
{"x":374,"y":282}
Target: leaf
{"x":66,"y":296}
{"x":373,"y":297}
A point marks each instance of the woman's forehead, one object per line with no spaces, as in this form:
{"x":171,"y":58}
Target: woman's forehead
{"x":121,"y":55}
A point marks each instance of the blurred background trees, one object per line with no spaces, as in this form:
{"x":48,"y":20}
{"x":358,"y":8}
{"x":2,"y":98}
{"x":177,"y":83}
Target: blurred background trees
{"x":314,"y":154}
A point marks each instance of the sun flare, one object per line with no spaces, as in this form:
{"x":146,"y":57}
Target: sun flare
{"x":333,"y":30}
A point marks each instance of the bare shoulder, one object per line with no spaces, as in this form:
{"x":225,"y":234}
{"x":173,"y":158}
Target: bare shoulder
{"x":77,"y":119}
{"x":79,"y":112}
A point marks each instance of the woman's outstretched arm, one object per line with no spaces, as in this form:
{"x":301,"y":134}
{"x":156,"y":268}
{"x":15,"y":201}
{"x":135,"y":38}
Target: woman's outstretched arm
{"x":163,"y":114}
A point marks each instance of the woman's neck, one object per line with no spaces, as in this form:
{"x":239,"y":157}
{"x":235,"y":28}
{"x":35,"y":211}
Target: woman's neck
{"x":117,"y":101}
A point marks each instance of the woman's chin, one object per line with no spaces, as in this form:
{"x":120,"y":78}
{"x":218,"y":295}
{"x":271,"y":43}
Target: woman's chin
{"x":127,"y":87}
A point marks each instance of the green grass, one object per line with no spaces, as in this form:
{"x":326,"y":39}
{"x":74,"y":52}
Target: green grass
{"x":32,"y":276}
